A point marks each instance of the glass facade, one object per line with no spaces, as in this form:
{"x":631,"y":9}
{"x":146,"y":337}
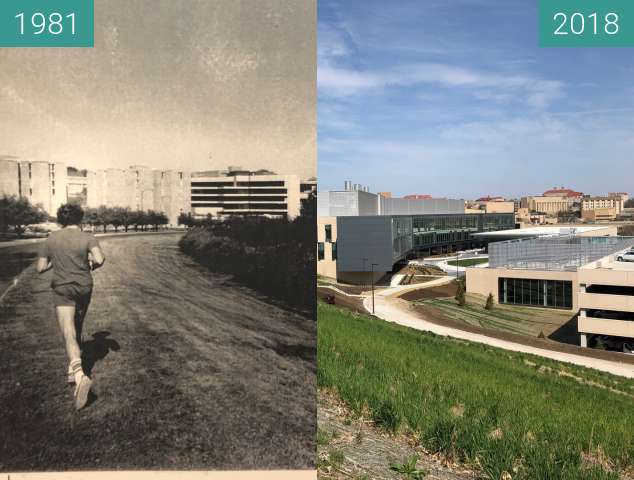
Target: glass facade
{"x":401,"y":236}
{"x":433,"y":230}
{"x":536,"y":293}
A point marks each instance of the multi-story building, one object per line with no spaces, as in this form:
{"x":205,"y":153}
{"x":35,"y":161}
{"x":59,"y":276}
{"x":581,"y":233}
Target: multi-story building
{"x":491,"y":206}
{"x":43,"y":183}
{"x":352,"y":202}
{"x":549,"y":205}
{"x":565,"y":193}
{"x":219,"y":193}
{"x":245,"y":193}
{"x":624,"y":195}
{"x":360,"y":232}
{"x":350,"y":247}
{"x":594,"y":203}
{"x":575,"y":271}
{"x":9,"y":176}
{"x":599,"y":214}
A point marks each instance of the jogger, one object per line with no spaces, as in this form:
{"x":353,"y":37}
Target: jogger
{"x":72,"y":254}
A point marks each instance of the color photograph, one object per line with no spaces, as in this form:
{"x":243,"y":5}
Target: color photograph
{"x":475,"y":241}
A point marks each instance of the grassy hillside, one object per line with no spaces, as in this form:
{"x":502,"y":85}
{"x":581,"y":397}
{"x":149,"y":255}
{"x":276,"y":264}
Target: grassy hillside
{"x":507,"y":318}
{"x":468,"y":262}
{"x":499,"y":411}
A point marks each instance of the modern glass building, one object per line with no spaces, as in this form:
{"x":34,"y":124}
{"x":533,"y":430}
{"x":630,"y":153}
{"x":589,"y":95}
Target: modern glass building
{"x":436,"y":231}
{"x":536,"y":293}
{"x":378,"y":242}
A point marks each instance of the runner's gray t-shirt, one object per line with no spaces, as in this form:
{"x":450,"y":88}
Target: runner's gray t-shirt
{"x":68,"y":251}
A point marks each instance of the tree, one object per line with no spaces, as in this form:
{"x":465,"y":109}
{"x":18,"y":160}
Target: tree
{"x":104,"y":217}
{"x":156,"y":219}
{"x":308,"y":206}
{"x":127,"y":218}
{"x":152,"y":219}
{"x":460,"y":293}
{"x":186,"y":219}
{"x":91,"y":218}
{"x":116,"y":217}
{"x":138,"y":219}
{"x":18,"y":213}
{"x":162,"y":219}
{"x":490,"y":302}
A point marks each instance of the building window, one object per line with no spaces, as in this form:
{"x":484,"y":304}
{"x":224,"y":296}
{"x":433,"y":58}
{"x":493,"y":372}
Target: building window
{"x":30,"y":192}
{"x":320,"y":250}
{"x":334,"y":250}
{"x":328,"y":233}
{"x":536,"y":293}
{"x":53,"y":192}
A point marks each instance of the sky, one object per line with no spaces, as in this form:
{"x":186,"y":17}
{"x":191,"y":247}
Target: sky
{"x":456,"y":99}
{"x":196,"y":85}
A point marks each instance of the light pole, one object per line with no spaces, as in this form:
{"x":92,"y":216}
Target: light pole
{"x":364,"y":270}
{"x":457,"y":262}
{"x":372,"y":279}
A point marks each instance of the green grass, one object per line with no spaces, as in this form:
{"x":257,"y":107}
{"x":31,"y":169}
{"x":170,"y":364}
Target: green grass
{"x":468,"y":262}
{"x":509,"y":318}
{"x":499,"y":411}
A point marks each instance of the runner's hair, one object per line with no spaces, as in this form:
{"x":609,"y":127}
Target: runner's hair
{"x":70,"y":214}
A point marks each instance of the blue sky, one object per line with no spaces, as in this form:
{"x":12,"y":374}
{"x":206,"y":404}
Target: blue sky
{"x":455,"y":98}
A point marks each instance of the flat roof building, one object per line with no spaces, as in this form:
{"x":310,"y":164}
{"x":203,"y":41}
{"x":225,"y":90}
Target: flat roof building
{"x":376,"y":243}
{"x":570,"y":272}
{"x":246,"y":194}
{"x":216,"y":192}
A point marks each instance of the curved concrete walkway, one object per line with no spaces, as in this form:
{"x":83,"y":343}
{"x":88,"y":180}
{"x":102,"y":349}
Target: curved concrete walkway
{"x":443,"y":264}
{"x":396,"y":310}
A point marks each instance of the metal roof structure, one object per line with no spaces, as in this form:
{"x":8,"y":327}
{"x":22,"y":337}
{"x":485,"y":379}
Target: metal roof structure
{"x":554,"y":253}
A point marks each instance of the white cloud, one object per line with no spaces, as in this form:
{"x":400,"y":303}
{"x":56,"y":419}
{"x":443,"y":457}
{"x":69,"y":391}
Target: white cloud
{"x":534,"y":91}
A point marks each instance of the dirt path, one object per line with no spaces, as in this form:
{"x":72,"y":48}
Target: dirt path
{"x":190,"y":370}
{"x":353,"y":448}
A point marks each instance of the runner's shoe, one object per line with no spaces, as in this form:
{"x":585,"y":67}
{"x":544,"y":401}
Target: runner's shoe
{"x":81,"y":392}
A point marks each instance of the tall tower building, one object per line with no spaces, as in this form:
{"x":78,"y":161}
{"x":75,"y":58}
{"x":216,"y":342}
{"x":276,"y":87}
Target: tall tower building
{"x":9,"y":177}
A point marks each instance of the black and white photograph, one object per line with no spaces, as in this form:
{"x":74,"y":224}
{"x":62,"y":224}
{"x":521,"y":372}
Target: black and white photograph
{"x":157,"y":242}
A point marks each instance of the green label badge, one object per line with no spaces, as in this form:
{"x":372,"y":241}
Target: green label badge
{"x":586,"y":23}
{"x":47,"y":23}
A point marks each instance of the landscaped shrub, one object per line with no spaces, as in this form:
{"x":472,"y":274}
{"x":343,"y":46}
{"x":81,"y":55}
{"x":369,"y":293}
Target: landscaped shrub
{"x":460,"y":294}
{"x":490,"y":302}
{"x":273,"y":256}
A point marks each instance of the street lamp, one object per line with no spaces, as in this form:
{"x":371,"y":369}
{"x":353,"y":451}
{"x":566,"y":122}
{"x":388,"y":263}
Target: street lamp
{"x":457,"y":263}
{"x":364,"y":270}
{"x":372,"y":266}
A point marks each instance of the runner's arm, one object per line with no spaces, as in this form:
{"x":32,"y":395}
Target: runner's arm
{"x":97,"y":257}
{"x":43,"y":264}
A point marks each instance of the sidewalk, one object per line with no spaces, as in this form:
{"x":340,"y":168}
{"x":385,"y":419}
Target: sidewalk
{"x":398,"y":311}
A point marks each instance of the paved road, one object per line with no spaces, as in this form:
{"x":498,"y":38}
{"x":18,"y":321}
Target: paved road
{"x":191,"y":372}
{"x":398,"y":311}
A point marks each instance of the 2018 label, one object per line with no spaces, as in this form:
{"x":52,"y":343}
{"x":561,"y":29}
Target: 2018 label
{"x":576,"y":23}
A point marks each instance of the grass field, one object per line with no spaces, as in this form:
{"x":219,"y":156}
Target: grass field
{"x":468,"y":262}
{"x":190,"y":371}
{"x":495,"y":410}
{"x":508,"y":318}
